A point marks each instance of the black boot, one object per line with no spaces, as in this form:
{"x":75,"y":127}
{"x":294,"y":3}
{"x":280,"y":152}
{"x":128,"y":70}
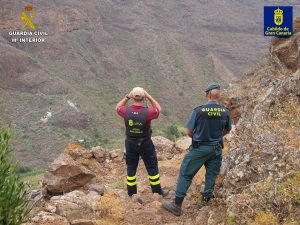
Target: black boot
{"x":164,"y":192}
{"x":174,"y":206}
{"x":204,"y":201}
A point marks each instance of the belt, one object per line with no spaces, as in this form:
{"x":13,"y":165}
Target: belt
{"x":198,"y":144}
{"x":138,"y":139}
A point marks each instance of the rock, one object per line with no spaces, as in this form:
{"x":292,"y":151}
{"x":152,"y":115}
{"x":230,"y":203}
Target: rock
{"x":99,"y":188}
{"x":183,"y":143}
{"x":156,"y":205}
{"x":34,"y":193}
{"x":44,"y":192}
{"x":99,"y":153}
{"x":156,"y":197}
{"x":49,"y":208}
{"x":65,"y":174}
{"x":83,"y":222}
{"x":46,"y":218}
{"x":161,"y":157}
{"x":77,"y":151}
{"x":116,"y":155}
{"x":287,"y":53}
{"x":165,"y":147}
{"x":76,"y":205}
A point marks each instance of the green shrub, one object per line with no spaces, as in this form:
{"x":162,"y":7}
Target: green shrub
{"x":172,"y":132}
{"x":13,"y":192}
{"x":21,"y":169}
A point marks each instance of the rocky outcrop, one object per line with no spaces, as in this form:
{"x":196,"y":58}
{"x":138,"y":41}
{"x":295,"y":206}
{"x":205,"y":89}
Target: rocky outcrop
{"x":65,"y":175}
{"x":99,"y":153}
{"x":46,"y":218}
{"x":262,"y":166}
{"x":76,"y":168}
{"x":73,"y":208}
{"x":104,"y":200}
{"x":165,"y":148}
{"x":77,"y":205}
{"x":183,"y":143}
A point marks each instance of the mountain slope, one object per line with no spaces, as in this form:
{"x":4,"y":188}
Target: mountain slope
{"x":98,"y":50}
{"x":260,"y":174}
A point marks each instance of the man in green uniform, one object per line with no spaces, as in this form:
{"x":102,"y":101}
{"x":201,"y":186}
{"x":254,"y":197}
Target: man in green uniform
{"x":206,"y":126}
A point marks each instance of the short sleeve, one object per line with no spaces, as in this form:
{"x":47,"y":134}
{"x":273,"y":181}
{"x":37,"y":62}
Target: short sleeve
{"x":122,"y":111}
{"x":191,"y":123}
{"x":153,"y":113}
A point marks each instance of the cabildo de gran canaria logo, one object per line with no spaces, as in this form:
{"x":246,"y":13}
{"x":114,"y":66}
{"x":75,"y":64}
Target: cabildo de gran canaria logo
{"x":278,"y":20}
{"x":278,"y":17}
{"x":28,"y":32}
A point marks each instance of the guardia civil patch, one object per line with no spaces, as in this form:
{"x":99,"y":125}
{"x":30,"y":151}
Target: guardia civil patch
{"x":278,"y":20}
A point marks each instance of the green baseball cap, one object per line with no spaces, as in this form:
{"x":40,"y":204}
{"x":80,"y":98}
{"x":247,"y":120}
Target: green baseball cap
{"x":212,"y":86}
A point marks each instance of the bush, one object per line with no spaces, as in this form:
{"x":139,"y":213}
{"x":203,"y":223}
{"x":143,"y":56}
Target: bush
{"x":13,"y":192}
{"x":21,"y":169}
{"x":172,"y":132}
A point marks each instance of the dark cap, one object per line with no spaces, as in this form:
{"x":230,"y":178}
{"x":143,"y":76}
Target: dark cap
{"x":212,"y":86}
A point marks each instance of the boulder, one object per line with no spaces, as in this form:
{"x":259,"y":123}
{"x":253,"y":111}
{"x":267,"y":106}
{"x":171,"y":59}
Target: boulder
{"x":99,"y":188}
{"x":76,"y":205}
{"x":116,"y":155}
{"x":165,"y":147}
{"x":99,"y":153}
{"x":183,"y":143}
{"x":77,"y":151}
{"x":46,"y":218}
{"x":287,"y":52}
{"x":65,"y":175}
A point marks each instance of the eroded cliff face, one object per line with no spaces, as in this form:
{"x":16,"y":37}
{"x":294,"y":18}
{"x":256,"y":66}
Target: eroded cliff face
{"x":262,"y":170}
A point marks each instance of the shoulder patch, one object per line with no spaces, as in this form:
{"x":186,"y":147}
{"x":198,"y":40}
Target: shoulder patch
{"x":198,"y":107}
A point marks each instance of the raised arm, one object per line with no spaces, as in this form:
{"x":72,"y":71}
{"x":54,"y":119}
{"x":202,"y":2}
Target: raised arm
{"x":153,"y":102}
{"x":123,"y":101}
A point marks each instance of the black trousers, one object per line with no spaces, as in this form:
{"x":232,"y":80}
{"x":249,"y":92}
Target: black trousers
{"x":146,"y":150}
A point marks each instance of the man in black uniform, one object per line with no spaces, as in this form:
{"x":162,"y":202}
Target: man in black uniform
{"x":206,"y":126}
{"x":138,"y":141}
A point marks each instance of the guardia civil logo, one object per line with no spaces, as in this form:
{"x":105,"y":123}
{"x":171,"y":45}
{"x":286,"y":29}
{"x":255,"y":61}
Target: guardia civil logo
{"x":278,"y":20}
{"x":29,"y":32}
{"x":27,"y":15}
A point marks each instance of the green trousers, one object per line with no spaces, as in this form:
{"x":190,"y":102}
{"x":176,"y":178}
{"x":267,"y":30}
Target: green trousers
{"x":211,"y":158}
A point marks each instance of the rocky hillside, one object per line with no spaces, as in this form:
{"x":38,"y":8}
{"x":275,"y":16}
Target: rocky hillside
{"x":97,"y":50}
{"x":262,"y":170}
{"x":260,"y":178}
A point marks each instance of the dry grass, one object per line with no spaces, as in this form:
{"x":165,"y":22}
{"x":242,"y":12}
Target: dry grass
{"x":287,"y":115}
{"x":265,"y":218}
{"x":112,"y":210}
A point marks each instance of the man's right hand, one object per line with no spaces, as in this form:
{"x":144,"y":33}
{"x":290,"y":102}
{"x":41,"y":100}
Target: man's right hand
{"x":130,"y":95}
{"x":146,"y":94}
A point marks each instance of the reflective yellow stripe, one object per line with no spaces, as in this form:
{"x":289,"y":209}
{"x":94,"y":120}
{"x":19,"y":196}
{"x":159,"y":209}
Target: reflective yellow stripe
{"x":131,"y":183}
{"x":154,"y":177}
{"x":155,"y":183}
{"x":131,"y":178}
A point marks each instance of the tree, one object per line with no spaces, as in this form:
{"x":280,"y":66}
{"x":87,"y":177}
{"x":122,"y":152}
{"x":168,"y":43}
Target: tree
{"x":13,"y":192}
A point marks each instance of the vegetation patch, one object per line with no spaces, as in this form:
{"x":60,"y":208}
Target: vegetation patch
{"x":112,"y":210}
